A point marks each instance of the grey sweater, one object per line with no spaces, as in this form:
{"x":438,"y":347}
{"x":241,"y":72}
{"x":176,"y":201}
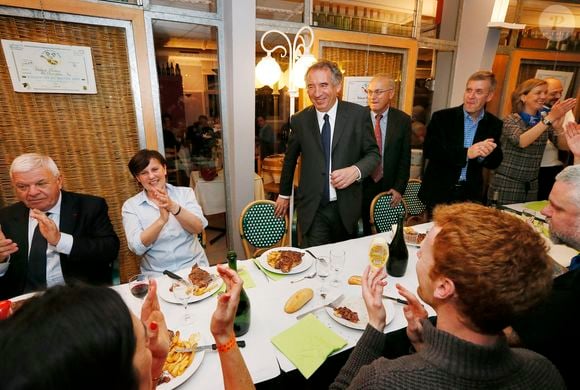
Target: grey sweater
{"x":446,"y":362}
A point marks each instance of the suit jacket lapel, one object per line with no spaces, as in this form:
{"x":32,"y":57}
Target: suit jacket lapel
{"x":392,"y":126}
{"x":20,"y":229}
{"x":68,"y":213}
{"x":339,"y":125}
{"x":459,"y":127}
{"x":312,"y":126}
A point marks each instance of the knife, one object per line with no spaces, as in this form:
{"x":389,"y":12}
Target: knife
{"x":208,"y":347}
{"x":402,"y":301}
{"x":176,"y":277}
{"x":333,"y":304}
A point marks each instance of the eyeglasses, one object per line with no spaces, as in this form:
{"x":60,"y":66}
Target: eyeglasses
{"x":377,"y":92}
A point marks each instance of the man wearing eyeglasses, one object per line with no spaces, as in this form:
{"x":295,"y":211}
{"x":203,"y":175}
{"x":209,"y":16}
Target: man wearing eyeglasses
{"x":460,"y":142}
{"x":52,"y":236}
{"x":392,"y":129}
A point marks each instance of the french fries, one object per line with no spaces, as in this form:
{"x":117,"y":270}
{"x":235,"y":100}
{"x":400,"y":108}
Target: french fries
{"x":273,"y":258}
{"x":177,"y":362}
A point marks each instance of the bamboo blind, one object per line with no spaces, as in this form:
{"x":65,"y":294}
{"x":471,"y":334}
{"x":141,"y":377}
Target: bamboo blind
{"x":90,"y":137}
{"x":354,"y":62}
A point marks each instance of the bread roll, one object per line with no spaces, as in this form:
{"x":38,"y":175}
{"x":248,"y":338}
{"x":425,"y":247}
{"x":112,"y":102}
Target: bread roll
{"x":355,"y":279}
{"x":298,"y":299}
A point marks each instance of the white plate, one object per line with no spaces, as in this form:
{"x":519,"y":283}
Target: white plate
{"x":197,"y":359}
{"x":26,"y":296}
{"x":356,"y":303}
{"x":307,"y":261}
{"x":165,"y":282}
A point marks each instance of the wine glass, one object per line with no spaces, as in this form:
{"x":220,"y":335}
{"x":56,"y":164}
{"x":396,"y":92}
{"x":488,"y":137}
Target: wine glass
{"x":139,"y":285}
{"x":322,"y":270}
{"x":337,"y":257}
{"x":182,"y":293}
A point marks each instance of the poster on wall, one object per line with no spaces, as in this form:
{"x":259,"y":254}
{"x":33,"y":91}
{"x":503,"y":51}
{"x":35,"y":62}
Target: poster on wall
{"x":49,"y":68}
{"x":355,"y":89}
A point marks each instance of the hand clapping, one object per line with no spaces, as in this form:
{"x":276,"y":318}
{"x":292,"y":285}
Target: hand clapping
{"x":373,"y":281}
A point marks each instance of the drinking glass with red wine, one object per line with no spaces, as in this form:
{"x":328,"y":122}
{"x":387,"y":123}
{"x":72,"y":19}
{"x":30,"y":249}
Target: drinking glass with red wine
{"x":139,"y":285}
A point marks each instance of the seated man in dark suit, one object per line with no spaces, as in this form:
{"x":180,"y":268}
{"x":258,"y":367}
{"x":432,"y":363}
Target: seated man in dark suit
{"x":52,"y":236}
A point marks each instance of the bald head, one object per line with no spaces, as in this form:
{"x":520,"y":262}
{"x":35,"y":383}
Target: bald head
{"x":555,"y":91}
{"x":380,"y":93}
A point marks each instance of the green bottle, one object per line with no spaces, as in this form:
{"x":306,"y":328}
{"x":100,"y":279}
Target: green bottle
{"x":398,"y":253}
{"x":243,"y":314}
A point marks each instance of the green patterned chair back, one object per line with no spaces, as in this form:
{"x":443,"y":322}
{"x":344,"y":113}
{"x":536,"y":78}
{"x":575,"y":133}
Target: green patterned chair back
{"x":260,"y":228}
{"x":383,"y":216}
{"x":202,"y":238}
{"x":413,"y":204}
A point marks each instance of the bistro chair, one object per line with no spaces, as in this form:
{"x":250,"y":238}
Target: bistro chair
{"x":383,"y":216}
{"x":202,"y":237}
{"x":261,"y":229}
{"x":413,"y":205}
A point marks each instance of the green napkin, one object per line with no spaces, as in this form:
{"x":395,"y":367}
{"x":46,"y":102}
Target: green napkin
{"x":536,"y":206}
{"x":308,"y":343}
{"x":269,"y":274}
{"x":245,"y":276}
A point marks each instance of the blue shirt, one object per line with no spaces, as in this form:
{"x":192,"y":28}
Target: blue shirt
{"x":175,"y":248}
{"x":469,"y":129}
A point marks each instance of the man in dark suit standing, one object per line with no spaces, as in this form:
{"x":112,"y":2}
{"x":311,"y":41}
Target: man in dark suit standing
{"x":52,"y":236}
{"x":392,"y":129}
{"x":336,"y":143}
{"x":460,"y":142}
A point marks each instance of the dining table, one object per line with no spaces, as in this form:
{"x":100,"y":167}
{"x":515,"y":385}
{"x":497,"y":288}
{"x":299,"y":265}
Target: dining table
{"x":268,"y":296}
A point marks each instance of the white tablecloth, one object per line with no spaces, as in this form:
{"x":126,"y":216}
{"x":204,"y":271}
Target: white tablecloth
{"x":258,"y":353}
{"x":211,"y":195}
{"x":268,"y":317}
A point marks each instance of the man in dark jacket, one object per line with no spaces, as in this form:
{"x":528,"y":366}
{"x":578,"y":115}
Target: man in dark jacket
{"x":52,"y":236}
{"x":460,"y":142}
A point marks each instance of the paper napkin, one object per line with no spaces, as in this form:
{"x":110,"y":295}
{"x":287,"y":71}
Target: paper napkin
{"x":536,"y":206}
{"x":245,"y":276}
{"x":308,"y":343}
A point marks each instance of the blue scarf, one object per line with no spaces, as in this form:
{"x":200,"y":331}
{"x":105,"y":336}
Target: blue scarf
{"x":531,"y":120}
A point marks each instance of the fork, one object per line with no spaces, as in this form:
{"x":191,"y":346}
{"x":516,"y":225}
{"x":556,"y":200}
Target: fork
{"x":333,"y":304}
{"x":309,"y":276}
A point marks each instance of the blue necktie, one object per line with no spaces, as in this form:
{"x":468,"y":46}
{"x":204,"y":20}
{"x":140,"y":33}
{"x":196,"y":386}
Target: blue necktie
{"x":325,"y":138}
{"x":574,"y":263}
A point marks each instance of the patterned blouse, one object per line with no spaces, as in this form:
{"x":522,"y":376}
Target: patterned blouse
{"x":516,"y":177}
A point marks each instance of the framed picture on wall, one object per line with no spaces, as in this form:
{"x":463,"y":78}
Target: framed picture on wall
{"x":355,"y":89}
{"x":564,"y":77}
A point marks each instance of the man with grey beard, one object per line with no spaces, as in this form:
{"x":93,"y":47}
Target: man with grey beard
{"x":551,"y":329}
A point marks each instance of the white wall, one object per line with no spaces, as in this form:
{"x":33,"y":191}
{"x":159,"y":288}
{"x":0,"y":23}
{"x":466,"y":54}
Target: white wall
{"x":238,"y":109}
{"x":477,"y":45}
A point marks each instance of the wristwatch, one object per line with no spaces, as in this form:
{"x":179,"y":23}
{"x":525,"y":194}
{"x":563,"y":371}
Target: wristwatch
{"x":546,"y":121}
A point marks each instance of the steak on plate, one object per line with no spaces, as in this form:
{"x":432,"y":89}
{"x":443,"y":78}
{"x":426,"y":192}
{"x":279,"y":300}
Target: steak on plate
{"x":199,"y":277}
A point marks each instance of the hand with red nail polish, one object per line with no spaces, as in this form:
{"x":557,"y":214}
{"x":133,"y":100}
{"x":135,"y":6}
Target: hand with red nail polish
{"x":153,"y":318}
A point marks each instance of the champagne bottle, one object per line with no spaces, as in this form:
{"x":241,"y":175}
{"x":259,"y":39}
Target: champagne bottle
{"x":398,"y":253}
{"x":243,"y":314}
